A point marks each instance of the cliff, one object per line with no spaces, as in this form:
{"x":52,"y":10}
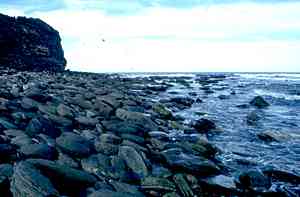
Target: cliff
{"x":30,"y":44}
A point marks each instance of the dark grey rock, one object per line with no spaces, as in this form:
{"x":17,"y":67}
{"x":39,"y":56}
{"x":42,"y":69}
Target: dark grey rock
{"x":30,"y":104}
{"x":96,"y":164}
{"x":157,"y":184}
{"x":86,"y":121}
{"x":204,"y":125}
{"x":41,"y":125}
{"x":42,"y":151}
{"x":63,"y":174}
{"x":28,"y":181}
{"x":179,"y":161}
{"x":126,"y":188}
{"x":7,"y":152}
{"x":123,"y":127}
{"x":64,"y":159}
{"x":7,"y":124}
{"x":282,"y":175}
{"x":74,"y":145}
{"x":103,"y":109}
{"x":222,"y":181}
{"x":65,"y":111}
{"x":133,"y":160}
{"x":6,"y":172}
{"x":259,"y":102}
{"x":185,"y":101}
{"x":254,"y":179}
{"x":183,"y":186}
{"x":109,"y":193}
{"x":21,"y":140}
{"x":137,"y":118}
{"x":106,"y":148}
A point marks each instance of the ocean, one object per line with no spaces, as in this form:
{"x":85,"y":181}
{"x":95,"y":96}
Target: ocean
{"x":226,"y":104}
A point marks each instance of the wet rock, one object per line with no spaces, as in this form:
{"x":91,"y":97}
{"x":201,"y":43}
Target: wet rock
{"x":185,"y":101}
{"x":37,"y":94}
{"x":259,"y":102}
{"x":13,"y":133}
{"x":110,"y":138}
{"x":221,"y":182}
{"x":112,"y":100}
{"x":157,"y":184}
{"x":137,"y":118}
{"x":103,"y":109}
{"x":21,"y":140}
{"x":59,"y":121}
{"x":63,"y":175}
{"x":181,"y":162}
{"x":86,"y":122}
{"x":171,"y":194}
{"x":159,"y":171}
{"x":7,"y":124}
{"x":74,"y":145}
{"x":7,"y":152}
{"x":98,"y":163}
{"x":81,"y":102}
{"x":133,"y":138}
{"x":30,"y":104}
{"x":123,"y":127}
{"x":6,"y":172}
{"x":64,"y":159}
{"x":183,"y":186}
{"x":30,"y":44}
{"x":109,"y":193}
{"x":42,"y":151}
{"x":204,"y":125}
{"x":126,"y":188}
{"x":160,"y":135}
{"x":282,"y":175}
{"x":254,"y":179}
{"x":41,"y":125}
{"x":162,"y":111}
{"x":223,"y":97}
{"x":252,"y":118}
{"x":133,"y":160}
{"x":106,"y":148}
{"x":28,"y":181}
{"x":65,"y":111}
{"x":276,"y":136}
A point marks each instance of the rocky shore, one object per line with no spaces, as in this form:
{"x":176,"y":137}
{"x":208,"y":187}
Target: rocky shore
{"x":100,"y":135}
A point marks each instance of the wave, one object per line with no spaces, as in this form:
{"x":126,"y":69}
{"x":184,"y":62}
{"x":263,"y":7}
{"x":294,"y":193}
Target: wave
{"x":272,"y":76}
{"x":278,"y":95}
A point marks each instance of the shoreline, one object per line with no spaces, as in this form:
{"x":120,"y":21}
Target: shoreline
{"x":90,"y":134}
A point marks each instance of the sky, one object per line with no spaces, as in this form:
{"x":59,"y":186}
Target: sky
{"x":172,"y":35}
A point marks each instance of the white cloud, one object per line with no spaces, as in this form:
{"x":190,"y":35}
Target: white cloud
{"x":229,"y":37}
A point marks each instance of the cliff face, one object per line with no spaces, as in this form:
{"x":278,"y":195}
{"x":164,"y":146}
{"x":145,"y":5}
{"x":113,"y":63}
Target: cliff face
{"x":30,"y":44}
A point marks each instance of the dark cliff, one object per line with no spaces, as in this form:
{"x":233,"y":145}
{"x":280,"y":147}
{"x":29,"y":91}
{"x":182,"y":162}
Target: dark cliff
{"x":30,"y":44}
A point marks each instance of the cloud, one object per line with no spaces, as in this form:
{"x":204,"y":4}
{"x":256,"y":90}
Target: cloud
{"x":29,"y":6}
{"x":158,"y":36}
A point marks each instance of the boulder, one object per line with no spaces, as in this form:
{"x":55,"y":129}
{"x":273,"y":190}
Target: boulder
{"x":30,"y":44}
{"x":259,"y":102}
{"x":204,"y":125}
{"x":67,"y":180}
{"x":28,"y":181}
{"x":42,"y":151}
{"x":133,"y":160}
{"x":41,"y":125}
{"x":74,"y":145}
{"x":137,"y":118}
{"x":277,"y":136}
{"x":182,"y":162}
